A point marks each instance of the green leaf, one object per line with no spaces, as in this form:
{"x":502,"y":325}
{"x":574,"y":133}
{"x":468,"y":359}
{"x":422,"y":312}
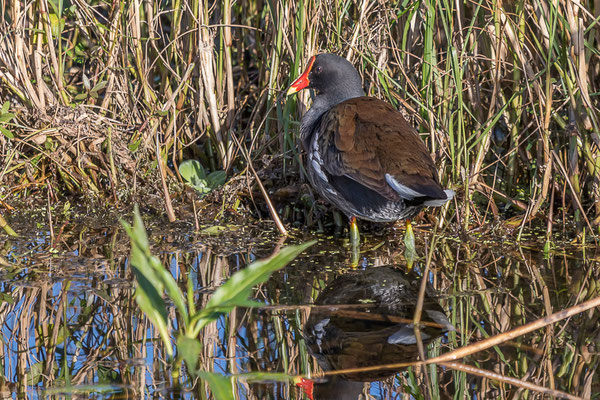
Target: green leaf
{"x":57,"y":25}
{"x":35,"y":373}
{"x":5,"y":107}
{"x":410,"y":254}
{"x":220,"y":386}
{"x":7,"y":133}
{"x":151,"y":269}
{"x":200,"y":185}
{"x":195,"y":175}
{"x":84,"y":390}
{"x":216,"y":179}
{"x":134,"y":145}
{"x":80,"y":49}
{"x":240,"y":285}
{"x":99,"y":86}
{"x":6,"y":117}
{"x":55,"y":8}
{"x":62,"y":334}
{"x":237,"y":290}
{"x":151,"y":277}
{"x":214,"y":230}
{"x":192,"y":171}
{"x":149,"y":298}
{"x":173,"y":292}
{"x":86,"y":82}
{"x":265,"y":377}
{"x":189,"y":349}
{"x":107,"y":375}
{"x":70,"y":11}
{"x":6,"y":298}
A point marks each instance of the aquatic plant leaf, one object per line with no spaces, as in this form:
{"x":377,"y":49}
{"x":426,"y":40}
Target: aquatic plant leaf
{"x":83,"y":389}
{"x":266,"y":377}
{"x":189,"y":349}
{"x":412,"y":386}
{"x":209,"y":314}
{"x":99,"y":86}
{"x":242,"y":282}
{"x":152,"y":304}
{"x":57,"y":25}
{"x":62,"y":333}
{"x":107,"y":375}
{"x":192,"y":171}
{"x":238,"y":288}
{"x":153,"y":278}
{"x":220,"y":386}
{"x":410,"y":254}
{"x":216,"y":179}
{"x":148,"y":293}
{"x":35,"y":373}
{"x":195,"y":175}
{"x":160,"y":278}
{"x":6,"y":298}
{"x":86,"y":82}
{"x":134,"y":145}
{"x":213,"y":230}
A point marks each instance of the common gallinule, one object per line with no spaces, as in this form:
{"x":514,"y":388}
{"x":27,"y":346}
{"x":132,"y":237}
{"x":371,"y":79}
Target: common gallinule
{"x":363,"y":157}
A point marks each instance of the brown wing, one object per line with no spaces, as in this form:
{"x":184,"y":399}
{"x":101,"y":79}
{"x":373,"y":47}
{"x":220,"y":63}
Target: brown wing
{"x":366,"y":138}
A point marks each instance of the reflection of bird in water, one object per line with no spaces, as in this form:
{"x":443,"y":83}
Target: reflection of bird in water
{"x":369,"y":327}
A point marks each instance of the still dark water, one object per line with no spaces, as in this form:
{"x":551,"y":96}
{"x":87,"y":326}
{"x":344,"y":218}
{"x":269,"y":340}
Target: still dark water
{"x":72,"y":329}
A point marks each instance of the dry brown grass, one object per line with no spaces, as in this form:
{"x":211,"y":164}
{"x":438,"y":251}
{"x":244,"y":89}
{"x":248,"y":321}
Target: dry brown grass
{"x":506,"y":93}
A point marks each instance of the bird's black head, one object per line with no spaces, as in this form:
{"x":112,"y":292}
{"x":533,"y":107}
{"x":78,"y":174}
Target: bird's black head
{"x":332,"y":77}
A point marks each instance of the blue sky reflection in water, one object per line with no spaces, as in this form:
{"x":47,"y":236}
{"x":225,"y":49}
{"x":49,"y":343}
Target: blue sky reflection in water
{"x":113,"y":352}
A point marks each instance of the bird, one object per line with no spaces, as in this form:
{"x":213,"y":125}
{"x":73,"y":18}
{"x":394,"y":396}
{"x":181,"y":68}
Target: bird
{"x":362,"y":155}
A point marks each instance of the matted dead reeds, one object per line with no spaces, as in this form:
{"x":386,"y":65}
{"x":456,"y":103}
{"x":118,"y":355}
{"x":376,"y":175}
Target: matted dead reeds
{"x":102,"y":94}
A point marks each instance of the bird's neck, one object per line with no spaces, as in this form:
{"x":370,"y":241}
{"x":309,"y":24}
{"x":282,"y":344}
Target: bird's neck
{"x":321,"y":105}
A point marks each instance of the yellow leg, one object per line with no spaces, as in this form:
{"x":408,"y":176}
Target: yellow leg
{"x":354,"y":242}
{"x":354,"y":235}
{"x":410,"y":253}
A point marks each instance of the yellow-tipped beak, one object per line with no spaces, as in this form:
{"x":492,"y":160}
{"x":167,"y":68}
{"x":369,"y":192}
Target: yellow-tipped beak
{"x":302,"y":82}
{"x":293,"y":90}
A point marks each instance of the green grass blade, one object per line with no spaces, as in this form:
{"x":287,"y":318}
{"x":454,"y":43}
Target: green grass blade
{"x":237,"y":290}
{"x":153,"y":280}
{"x":220,"y":386}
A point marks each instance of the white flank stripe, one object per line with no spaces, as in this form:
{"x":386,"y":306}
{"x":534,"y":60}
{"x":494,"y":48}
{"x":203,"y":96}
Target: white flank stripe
{"x":404,"y":191}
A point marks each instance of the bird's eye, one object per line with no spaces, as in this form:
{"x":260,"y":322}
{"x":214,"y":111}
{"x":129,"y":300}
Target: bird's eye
{"x":318,"y":70}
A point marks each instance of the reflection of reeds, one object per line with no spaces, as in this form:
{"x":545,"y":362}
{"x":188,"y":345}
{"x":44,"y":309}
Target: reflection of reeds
{"x":498,"y":290}
{"x":88,"y":305}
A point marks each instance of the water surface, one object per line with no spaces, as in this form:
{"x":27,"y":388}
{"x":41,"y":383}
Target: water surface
{"x":69,"y":319}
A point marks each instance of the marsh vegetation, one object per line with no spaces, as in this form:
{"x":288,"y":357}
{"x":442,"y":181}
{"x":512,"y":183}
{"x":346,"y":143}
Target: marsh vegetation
{"x":180,"y":106}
